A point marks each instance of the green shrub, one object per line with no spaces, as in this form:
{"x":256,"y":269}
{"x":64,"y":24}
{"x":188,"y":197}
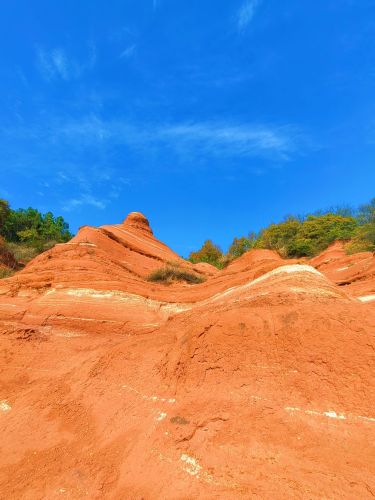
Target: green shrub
{"x":305,"y":238}
{"x":169,"y":274}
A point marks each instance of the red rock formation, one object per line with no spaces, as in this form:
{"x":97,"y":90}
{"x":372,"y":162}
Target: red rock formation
{"x":355,"y":273}
{"x":258,"y":382}
{"x":137,"y":221}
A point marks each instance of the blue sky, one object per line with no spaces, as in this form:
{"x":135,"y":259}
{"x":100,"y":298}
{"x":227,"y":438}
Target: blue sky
{"x":213,"y":118}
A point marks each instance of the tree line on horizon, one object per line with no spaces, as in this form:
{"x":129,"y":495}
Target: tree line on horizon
{"x":301,"y":236}
{"x":28,"y":232}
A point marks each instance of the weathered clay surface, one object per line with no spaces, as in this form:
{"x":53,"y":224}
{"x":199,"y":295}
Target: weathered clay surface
{"x":258,"y":382}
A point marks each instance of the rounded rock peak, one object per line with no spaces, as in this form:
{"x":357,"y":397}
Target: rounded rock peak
{"x":138,"y":221}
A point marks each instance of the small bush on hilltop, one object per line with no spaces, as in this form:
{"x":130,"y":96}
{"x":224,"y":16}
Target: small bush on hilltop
{"x":241,"y":245}
{"x":209,"y":253}
{"x":169,"y":274}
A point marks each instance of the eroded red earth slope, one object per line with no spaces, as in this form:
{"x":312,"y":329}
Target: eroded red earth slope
{"x":258,"y":382}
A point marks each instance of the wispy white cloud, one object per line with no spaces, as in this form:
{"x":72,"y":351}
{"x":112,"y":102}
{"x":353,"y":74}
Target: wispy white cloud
{"x":246,"y":14}
{"x":59,"y":63}
{"x":55,"y":64}
{"x":128,"y":52}
{"x":227,"y":139}
{"x":86,"y":155}
{"x":195,"y":139}
{"x":87,"y":129}
{"x":83,"y":200}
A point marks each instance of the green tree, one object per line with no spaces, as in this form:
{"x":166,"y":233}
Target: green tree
{"x":31,"y":227}
{"x":241,"y":245}
{"x":280,"y":237}
{"x":4,"y":213}
{"x":366,"y":213}
{"x":209,"y":252}
{"x":364,"y":238}
{"x":54,"y":228}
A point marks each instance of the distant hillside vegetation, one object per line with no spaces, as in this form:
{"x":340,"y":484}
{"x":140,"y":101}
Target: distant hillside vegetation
{"x":27,"y":232}
{"x":301,"y":236}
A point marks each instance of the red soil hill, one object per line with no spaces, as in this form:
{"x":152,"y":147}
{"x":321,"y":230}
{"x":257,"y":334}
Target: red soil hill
{"x":258,"y":382}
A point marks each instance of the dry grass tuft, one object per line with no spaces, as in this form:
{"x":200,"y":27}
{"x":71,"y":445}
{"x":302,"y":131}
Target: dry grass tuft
{"x":170,"y":274}
{"x":6,"y":273}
